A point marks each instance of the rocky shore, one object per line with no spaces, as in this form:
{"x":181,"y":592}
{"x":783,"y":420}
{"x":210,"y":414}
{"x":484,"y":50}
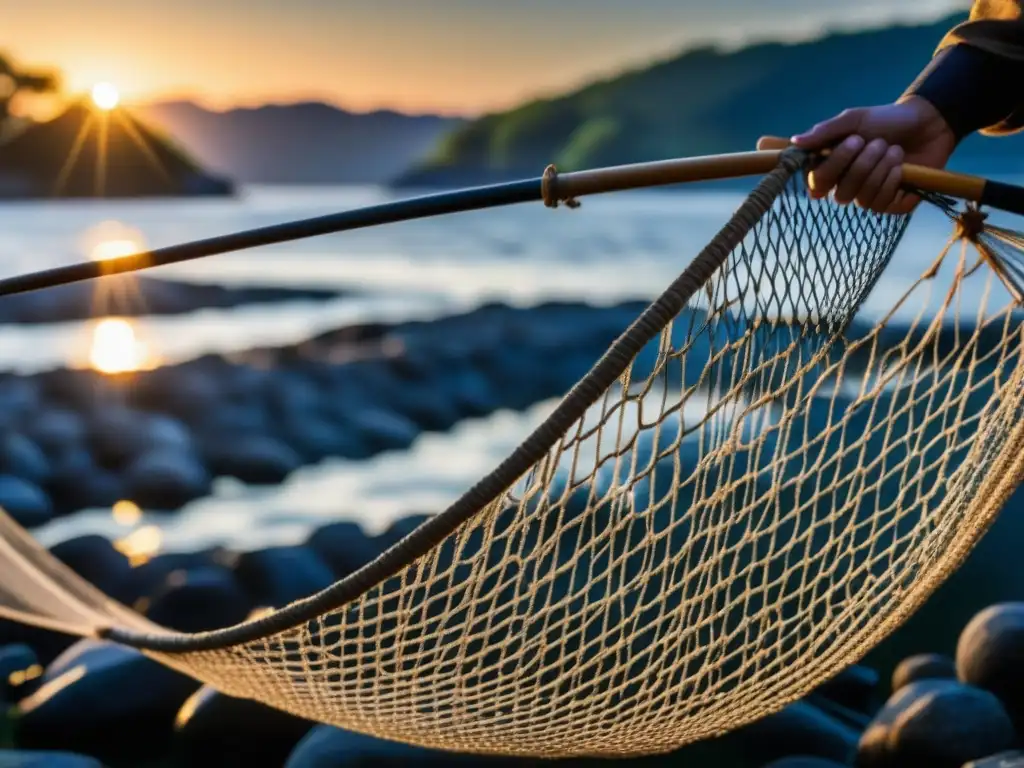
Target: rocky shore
{"x":76,"y":439}
{"x":139,"y":295}
{"x":96,"y":703}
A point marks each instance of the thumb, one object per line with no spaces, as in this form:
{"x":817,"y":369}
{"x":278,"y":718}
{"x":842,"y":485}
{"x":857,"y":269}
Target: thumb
{"x":831,"y":131}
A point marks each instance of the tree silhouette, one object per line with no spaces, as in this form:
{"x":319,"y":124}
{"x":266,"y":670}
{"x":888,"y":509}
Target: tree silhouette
{"x":15,"y":80}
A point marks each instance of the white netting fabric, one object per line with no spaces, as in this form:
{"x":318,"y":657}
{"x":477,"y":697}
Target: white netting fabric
{"x":768,"y":489}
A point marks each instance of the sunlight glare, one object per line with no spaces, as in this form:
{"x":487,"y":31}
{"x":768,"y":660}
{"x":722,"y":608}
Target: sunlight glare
{"x":113,"y":249}
{"x":141,"y":545}
{"x":115,"y":349}
{"x":105,"y":96}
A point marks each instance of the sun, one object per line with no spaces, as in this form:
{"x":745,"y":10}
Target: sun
{"x":105,"y":96}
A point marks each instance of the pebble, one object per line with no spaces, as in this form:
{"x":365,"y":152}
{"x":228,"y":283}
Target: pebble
{"x":19,"y":669}
{"x":55,"y":430}
{"x":77,"y":483}
{"x":25,"y":502}
{"x":1013,"y":759}
{"x":22,"y":458}
{"x":344,"y":546}
{"x":96,"y":560}
{"x":105,"y":700}
{"x":802,"y":726}
{"x":950,"y":726}
{"x":10,"y":758}
{"x":381,"y":430}
{"x":213,"y":728}
{"x":939,"y":721}
{"x":258,"y":460}
{"x":854,"y":687}
{"x":150,"y":576}
{"x":276,"y":576}
{"x":990,"y":655}
{"x":924,"y":666}
{"x":199,"y":600}
{"x":328,"y":747}
{"x":166,"y":479}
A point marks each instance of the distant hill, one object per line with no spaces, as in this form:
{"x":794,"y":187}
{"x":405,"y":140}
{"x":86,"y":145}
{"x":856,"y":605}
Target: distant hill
{"x":703,"y":101}
{"x":303,"y":143}
{"x":86,"y":153}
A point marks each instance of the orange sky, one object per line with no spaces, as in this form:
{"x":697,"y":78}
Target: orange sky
{"x":459,"y":56}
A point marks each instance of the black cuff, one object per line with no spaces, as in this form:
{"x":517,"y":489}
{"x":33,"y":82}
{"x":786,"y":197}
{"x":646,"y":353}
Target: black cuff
{"x":971,"y":88}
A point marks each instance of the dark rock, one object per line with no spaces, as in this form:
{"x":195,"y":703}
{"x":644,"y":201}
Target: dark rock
{"x":10,"y":758}
{"x":22,"y":458}
{"x":799,"y":726}
{"x":855,"y":687}
{"x":990,"y":655}
{"x":213,"y":728}
{"x":188,"y":392}
{"x":1013,"y":759}
{"x":166,"y":479}
{"x":236,"y":421}
{"x":877,"y":747}
{"x":104,"y":699}
{"x":77,"y":483}
{"x":328,"y":747}
{"x":18,"y":396}
{"x":199,"y":600}
{"x":55,"y":430}
{"x":400,"y":528}
{"x":277,"y":576}
{"x":381,"y":430}
{"x":948,"y":727}
{"x":471,"y":391}
{"x":255,"y":460}
{"x":78,"y":389}
{"x":150,"y":577}
{"x":45,"y":644}
{"x":343,"y":546}
{"x":115,"y":435}
{"x":96,"y":560}
{"x":924,"y":666}
{"x":167,"y":432}
{"x":25,"y":502}
{"x":315,"y":438}
{"x":19,"y":667}
{"x":873,"y":750}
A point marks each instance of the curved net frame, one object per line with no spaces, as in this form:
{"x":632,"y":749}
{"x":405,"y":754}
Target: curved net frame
{"x":749,"y":491}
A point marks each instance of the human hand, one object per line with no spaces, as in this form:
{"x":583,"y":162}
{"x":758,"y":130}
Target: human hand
{"x":869,"y":146}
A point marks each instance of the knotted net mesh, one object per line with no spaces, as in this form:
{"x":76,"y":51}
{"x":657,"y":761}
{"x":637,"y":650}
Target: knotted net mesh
{"x":750,"y":490}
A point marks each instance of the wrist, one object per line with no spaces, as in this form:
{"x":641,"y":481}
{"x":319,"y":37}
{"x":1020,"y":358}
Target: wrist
{"x":932,"y":121}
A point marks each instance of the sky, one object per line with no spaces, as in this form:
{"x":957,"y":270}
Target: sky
{"x":450,"y":56}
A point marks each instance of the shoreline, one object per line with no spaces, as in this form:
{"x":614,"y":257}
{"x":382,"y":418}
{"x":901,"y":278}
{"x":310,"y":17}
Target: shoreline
{"x":137,"y":296}
{"x":74,"y":439}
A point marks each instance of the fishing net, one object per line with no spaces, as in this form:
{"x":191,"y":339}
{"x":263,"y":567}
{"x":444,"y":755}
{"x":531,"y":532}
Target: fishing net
{"x":750,"y":490}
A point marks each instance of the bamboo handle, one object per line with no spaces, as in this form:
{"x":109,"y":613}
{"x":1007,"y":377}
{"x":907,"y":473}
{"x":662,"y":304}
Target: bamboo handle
{"x":959,"y":185}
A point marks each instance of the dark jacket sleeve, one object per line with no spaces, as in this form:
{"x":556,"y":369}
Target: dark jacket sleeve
{"x":976,"y":78}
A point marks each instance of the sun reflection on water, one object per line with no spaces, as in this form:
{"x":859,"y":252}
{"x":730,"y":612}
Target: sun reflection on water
{"x":115,"y":347}
{"x":140,"y":545}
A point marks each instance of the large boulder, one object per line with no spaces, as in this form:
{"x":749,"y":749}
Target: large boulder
{"x":106,"y":700}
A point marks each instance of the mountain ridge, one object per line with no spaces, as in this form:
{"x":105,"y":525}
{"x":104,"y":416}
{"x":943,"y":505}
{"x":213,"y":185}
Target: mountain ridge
{"x":304,"y":142}
{"x":705,"y":100}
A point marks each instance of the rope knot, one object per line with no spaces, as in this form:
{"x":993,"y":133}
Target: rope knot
{"x":549,"y":190}
{"x":970,"y":223}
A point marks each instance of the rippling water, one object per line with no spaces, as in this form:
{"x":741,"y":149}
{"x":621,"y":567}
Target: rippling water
{"x":623,"y":246}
